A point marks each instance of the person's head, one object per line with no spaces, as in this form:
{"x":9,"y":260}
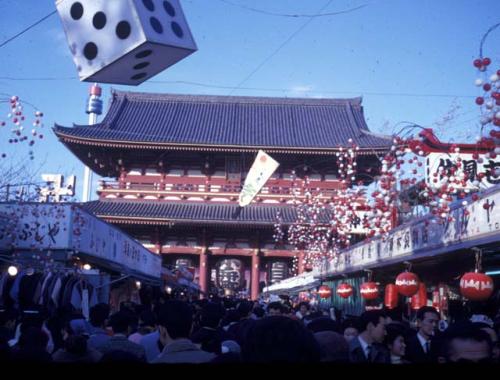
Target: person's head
{"x":118,"y":356}
{"x":495,"y":344}
{"x":244,"y":308}
{"x":275,"y":309}
{"x":465,"y":342}
{"x":372,"y":326}
{"x":350,"y":329}
{"x":77,"y":326}
{"x":147,"y":319}
{"x":279,"y":339}
{"x":175,"y":320}
{"x":333,"y":347}
{"x":323,"y":324}
{"x":120,"y":322}
{"x":427,"y":321}
{"x":395,"y":339}
{"x":231,"y":316}
{"x":304,"y":308}
{"x":259,"y":312}
{"x":99,"y":314}
{"x":211,"y":315}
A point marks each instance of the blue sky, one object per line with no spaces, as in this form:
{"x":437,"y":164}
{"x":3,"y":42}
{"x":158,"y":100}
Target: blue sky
{"x":409,"y":60}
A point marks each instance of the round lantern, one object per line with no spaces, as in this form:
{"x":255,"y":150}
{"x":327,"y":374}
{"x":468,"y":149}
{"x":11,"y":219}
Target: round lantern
{"x":419,"y":299}
{"x":324,"y":291}
{"x":369,"y":290}
{"x":436,"y":300}
{"x":476,"y":286}
{"x":391,"y":296}
{"x":407,"y":283}
{"x":344,"y":290}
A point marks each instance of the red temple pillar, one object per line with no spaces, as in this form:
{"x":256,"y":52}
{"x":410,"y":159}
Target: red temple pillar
{"x":300,"y":263}
{"x":203,"y":271}
{"x":254,"y":282}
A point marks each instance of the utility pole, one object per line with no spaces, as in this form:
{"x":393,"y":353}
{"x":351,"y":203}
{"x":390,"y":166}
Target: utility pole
{"x":94,"y":109}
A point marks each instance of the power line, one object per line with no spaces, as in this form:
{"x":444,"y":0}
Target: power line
{"x":37,"y":78}
{"x":268,"y":58}
{"x":266,"y":89}
{"x":26,"y":29}
{"x":297,"y":15}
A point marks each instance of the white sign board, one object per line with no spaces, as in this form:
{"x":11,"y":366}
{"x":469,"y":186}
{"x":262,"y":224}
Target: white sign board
{"x":60,"y":226}
{"x":97,"y":238}
{"x":262,"y":168}
{"x":470,"y":166}
{"x":32,"y":226}
{"x":425,"y":235}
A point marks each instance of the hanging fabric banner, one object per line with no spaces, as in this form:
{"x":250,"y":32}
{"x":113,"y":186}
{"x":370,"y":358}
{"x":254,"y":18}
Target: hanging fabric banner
{"x":261,"y":170}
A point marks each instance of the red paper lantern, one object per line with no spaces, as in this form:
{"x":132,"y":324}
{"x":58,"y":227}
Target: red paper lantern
{"x":476,"y":286}
{"x":436,"y":300}
{"x":344,"y":290}
{"x":407,"y":283}
{"x":324,"y":291}
{"x":419,"y":299}
{"x":369,"y":290}
{"x":391,"y":296}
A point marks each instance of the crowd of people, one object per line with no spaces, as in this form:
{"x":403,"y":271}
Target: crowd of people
{"x":223,"y":330}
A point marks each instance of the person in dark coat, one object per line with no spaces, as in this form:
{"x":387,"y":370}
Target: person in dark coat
{"x":175,"y":319}
{"x":31,"y":346}
{"x":395,"y":342}
{"x":210,"y":337}
{"x":280,"y":339}
{"x":422,"y":347}
{"x":367,"y":347}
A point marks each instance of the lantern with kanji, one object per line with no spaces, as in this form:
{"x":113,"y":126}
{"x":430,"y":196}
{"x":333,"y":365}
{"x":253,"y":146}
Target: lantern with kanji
{"x":324,"y":291}
{"x":369,"y":290}
{"x":407,"y":283}
{"x":476,"y":286}
{"x":419,"y":299}
{"x":391,"y":296}
{"x":344,"y":290}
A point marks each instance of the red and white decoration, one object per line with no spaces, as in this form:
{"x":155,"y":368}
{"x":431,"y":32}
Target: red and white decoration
{"x":407,"y":283}
{"x":369,"y":290}
{"x":345,"y":290}
{"x":325,"y":291}
{"x":476,"y":286}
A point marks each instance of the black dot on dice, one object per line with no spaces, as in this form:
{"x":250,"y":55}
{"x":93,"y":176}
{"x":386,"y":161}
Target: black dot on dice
{"x":144,"y":54}
{"x":123,"y":30}
{"x":99,"y":20}
{"x":138,"y":76}
{"x":76,"y":11}
{"x":90,"y":51}
{"x":176,"y":28}
{"x":149,"y":5}
{"x":169,"y":8}
{"x":156,"y":25}
{"x":141,"y":65}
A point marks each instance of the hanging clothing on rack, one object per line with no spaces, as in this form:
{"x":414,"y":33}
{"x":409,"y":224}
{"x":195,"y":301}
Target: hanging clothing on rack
{"x":14,"y":291}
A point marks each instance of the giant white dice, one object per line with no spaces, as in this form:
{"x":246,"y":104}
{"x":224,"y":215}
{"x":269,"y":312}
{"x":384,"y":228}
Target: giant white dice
{"x":124,"y":41}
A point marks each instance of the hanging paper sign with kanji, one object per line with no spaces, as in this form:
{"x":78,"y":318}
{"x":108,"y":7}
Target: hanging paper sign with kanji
{"x":474,"y":171}
{"x":261,"y":170}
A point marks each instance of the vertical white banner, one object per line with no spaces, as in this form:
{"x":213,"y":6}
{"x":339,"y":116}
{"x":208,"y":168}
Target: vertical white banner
{"x":262,"y":169}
